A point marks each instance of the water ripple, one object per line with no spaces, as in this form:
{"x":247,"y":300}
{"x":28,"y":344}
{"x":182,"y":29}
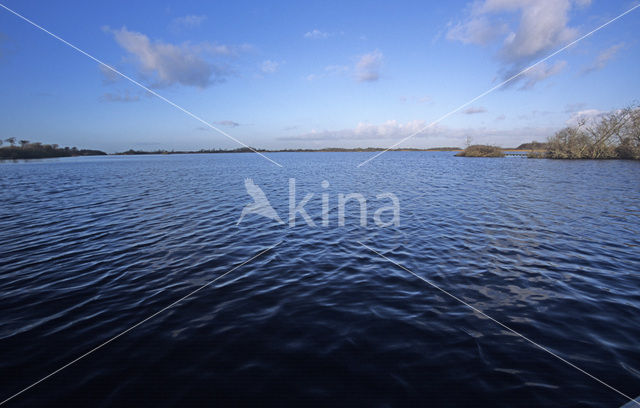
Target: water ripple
{"x":91,"y":246}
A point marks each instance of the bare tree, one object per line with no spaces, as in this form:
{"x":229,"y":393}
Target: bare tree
{"x":23,"y":143}
{"x":629,"y":136}
{"x":11,"y":140}
{"x":609,"y":136}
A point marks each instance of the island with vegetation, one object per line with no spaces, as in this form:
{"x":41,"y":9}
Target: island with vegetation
{"x":37,"y":150}
{"x":482,"y":151}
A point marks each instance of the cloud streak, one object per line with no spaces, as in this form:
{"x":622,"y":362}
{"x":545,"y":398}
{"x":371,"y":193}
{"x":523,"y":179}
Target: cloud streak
{"x":228,"y":123}
{"x":603,"y":58}
{"x":119,"y":97}
{"x":108,"y":75}
{"x":316,"y":35}
{"x":329,"y":70}
{"x":366,"y":68}
{"x":189,"y":21}
{"x":474,"y":110}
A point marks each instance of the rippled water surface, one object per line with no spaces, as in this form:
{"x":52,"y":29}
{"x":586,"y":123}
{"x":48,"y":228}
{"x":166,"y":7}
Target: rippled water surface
{"x":91,"y":246}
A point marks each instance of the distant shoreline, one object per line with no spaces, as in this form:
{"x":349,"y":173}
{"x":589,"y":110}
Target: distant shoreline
{"x":251,"y":150}
{"x":40,"y":151}
{"x":23,"y":153}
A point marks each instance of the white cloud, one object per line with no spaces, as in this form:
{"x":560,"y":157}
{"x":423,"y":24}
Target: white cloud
{"x":388,"y":130}
{"x":270,"y":67}
{"x":384,"y":134}
{"x":316,"y":35}
{"x":190,"y":21}
{"x":543,"y":26}
{"x":586,"y":115}
{"x":171,"y":64}
{"x":473,"y":110}
{"x":603,"y":58}
{"x":368,"y":67}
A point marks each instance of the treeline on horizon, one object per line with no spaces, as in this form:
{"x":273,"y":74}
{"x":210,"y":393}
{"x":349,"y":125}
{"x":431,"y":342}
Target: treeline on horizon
{"x":251,"y":150}
{"x":37,"y":150}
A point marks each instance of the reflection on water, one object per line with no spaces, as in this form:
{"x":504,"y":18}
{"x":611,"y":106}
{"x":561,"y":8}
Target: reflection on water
{"x":91,"y":246}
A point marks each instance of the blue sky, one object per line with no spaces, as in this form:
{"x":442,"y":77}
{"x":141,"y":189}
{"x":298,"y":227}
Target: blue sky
{"x":310,"y":74}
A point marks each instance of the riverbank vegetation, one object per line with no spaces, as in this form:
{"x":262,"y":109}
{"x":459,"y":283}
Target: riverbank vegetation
{"x":614,"y":135}
{"x":532,"y":146}
{"x":481,"y":151}
{"x":24,"y":149}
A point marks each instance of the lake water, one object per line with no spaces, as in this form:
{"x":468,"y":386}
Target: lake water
{"x":91,"y":246}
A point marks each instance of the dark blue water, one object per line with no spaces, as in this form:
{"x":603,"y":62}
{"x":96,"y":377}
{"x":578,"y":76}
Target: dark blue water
{"x":91,"y":246}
